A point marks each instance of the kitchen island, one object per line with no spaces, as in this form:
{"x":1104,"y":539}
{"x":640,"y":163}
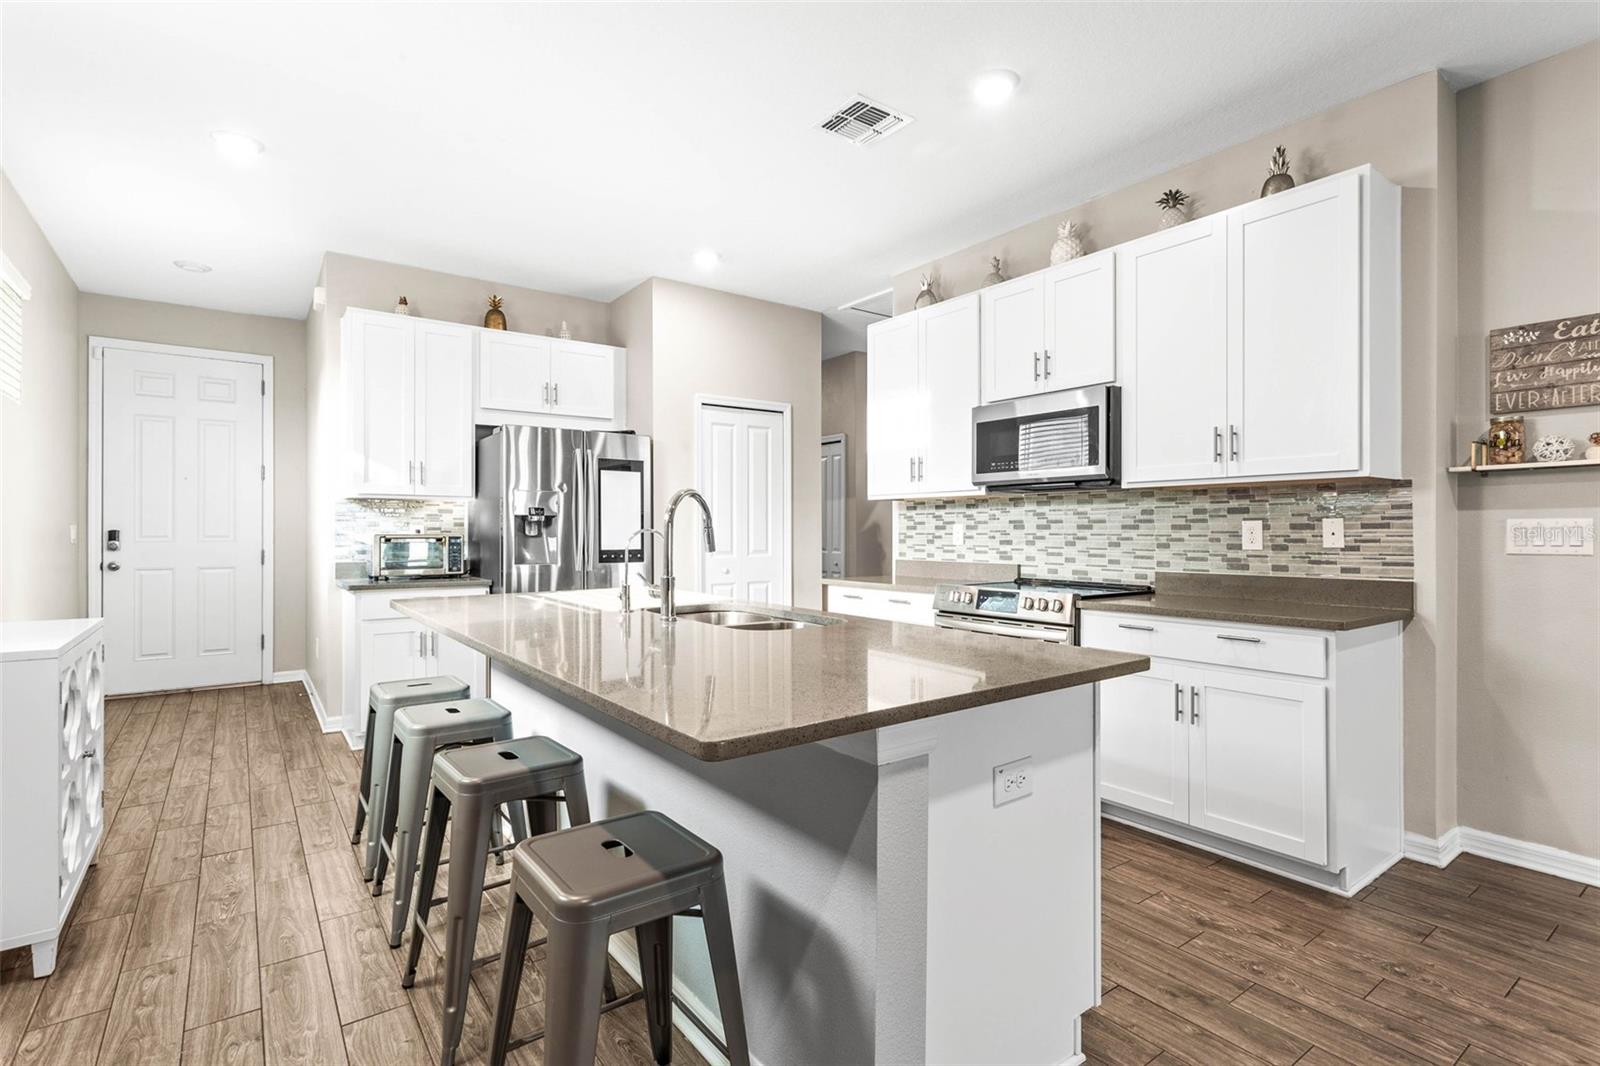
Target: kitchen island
{"x":895,"y":898}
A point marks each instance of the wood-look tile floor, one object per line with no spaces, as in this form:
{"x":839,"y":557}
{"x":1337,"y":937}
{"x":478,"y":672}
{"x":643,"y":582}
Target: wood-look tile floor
{"x":1207,"y":961}
{"x":226,"y":921}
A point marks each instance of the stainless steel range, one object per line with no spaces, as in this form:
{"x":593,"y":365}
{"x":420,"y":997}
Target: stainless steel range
{"x":1036,"y":609}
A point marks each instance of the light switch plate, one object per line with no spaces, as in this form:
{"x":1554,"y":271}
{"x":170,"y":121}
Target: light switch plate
{"x":958,"y":534}
{"x":1333,"y":532}
{"x":1549,"y":536}
{"x":1250,"y":531}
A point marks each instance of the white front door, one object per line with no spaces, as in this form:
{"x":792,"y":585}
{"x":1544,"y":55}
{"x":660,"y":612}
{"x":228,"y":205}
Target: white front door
{"x":834,"y":497}
{"x":744,"y":464}
{"x":182,"y":494}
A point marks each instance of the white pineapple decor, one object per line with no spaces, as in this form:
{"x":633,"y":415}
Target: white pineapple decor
{"x":1069,"y":244}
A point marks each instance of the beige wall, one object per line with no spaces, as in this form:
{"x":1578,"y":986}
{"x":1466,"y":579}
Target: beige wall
{"x":632,"y":326}
{"x":869,"y":524}
{"x":42,"y":451}
{"x":1529,"y":635}
{"x":284,"y":340}
{"x":716,"y":343}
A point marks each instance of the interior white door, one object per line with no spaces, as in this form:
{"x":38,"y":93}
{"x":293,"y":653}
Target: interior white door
{"x":1258,"y":762}
{"x":1080,"y":314}
{"x":182,"y":490}
{"x":949,"y":372}
{"x":744,"y":463}
{"x":1013,"y":339}
{"x":582,"y":379}
{"x":1172,"y":333}
{"x":513,"y":371}
{"x":896,"y":418}
{"x":1144,"y":741}
{"x":834,"y":503}
{"x":380,"y":391}
{"x":1294,"y":331}
{"x":444,"y":409}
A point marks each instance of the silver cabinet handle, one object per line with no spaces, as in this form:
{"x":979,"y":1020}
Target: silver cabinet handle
{"x":912,"y":461}
{"x":1194,"y":705}
{"x":1036,"y":366}
{"x":1142,"y":629}
{"x":422,"y":472}
{"x":547,"y":394}
{"x":903,"y":603}
{"x":433,"y":644}
{"x":920,"y":475}
{"x":1241,"y":640}
{"x":1177,"y":702}
{"x":555,"y":394}
{"x":1047,"y":364}
{"x":411,"y":471}
{"x":422,"y":645}
{"x":848,"y":596}
{"x":1216,"y":444}
{"x":1233,"y":442}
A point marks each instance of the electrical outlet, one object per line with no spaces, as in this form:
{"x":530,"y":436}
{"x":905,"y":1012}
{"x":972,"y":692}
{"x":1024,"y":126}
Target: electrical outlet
{"x":1013,"y":780}
{"x":1333,"y":532}
{"x":1250,"y":531}
{"x":958,"y":534}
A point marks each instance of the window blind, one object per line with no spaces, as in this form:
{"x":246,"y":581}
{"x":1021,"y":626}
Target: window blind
{"x":13,"y":291}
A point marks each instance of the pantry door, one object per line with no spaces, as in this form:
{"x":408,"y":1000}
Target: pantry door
{"x":179,"y":505}
{"x":744,"y":476}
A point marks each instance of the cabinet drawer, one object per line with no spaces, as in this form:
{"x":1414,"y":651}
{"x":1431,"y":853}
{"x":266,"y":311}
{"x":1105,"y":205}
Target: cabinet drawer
{"x":379,"y":603}
{"x":1244,"y":647}
{"x":888,"y":605}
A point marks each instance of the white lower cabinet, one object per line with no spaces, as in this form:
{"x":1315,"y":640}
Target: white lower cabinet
{"x":885,"y":604}
{"x":1298,"y":758}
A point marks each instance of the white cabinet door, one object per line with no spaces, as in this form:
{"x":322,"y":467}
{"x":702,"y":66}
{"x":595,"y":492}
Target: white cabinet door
{"x":895,"y":418}
{"x":1080,"y":322}
{"x":948,"y":342}
{"x":513,"y":371}
{"x":582,"y":379}
{"x":1258,"y":762}
{"x":380,"y":386}
{"x":392,"y":649}
{"x":444,"y":447}
{"x":1144,"y":741}
{"x":1172,"y":348}
{"x":1294,"y":331}
{"x":1013,"y":339}
{"x":451,"y":657}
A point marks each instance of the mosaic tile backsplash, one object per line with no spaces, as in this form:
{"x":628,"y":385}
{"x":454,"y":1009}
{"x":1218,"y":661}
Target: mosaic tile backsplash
{"x":356,"y":522}
{"x":1129,"y":534}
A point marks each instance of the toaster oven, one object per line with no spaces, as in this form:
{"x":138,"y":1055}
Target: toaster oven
{"x":399,"y":555}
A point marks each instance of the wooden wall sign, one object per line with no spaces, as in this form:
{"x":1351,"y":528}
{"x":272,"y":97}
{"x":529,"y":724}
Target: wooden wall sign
{"x":1545,"y":365}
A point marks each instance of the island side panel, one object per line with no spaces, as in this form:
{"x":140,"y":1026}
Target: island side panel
{"x":798,"y":832}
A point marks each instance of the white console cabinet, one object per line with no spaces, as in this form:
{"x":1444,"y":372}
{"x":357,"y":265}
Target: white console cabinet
{"x":52,"y":776}
{"x":1279,"y":747}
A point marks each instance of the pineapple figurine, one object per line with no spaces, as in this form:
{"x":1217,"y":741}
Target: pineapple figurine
{"x":997,"y":272}
{"x":1068,"y":244}
{"x":495,"y":317}
{"x":926,"y":297}
{"x":1174,"y":204}
{"x":1278,"y":179}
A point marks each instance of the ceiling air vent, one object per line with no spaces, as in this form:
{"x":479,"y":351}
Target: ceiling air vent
{"x":863,"y":121}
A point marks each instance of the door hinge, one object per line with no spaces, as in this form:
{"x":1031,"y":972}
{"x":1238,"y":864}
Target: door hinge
{"x":263,"y":557}
{"x":263,"y":471}
{"x":263,"y":388}
{"x":263,"y":642}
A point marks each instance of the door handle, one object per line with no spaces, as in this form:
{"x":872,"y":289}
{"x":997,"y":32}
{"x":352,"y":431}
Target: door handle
{"x":1177,"y":702}
{"x":1216,"y":444}
{"x":1194,"y":705}
{"x":1036,"y":366}
{"x":1233,"y":443}
{"x":1047,"y":364}
{"x":113,"y":566}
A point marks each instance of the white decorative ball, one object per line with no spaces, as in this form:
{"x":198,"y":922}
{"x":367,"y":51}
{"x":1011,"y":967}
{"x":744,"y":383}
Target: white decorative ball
{"x":1552,"y":449}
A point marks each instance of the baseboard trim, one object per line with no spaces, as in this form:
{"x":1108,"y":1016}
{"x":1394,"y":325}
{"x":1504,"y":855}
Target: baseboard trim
{"x":625,"y":951}
{"x":1540,"y":858}
{"x":284,"y":677}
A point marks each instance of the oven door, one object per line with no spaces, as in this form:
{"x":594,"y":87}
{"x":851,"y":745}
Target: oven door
{"x":1026,"y":630}
{"x":423,"y":556}
{"x":1061,"y":438}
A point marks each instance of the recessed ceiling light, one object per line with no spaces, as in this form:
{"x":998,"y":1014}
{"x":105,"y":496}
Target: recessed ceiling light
{"x":707,"y":259}
{"x":191,"y":266}
{"x":238,"y":148}
{"x":994,"y":87}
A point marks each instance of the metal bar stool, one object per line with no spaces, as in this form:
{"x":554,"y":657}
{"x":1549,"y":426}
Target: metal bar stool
{"x":588,"y":882}
{"x":421,"y":731}
{"x":383,"y":699}
{"x":469,"y":786}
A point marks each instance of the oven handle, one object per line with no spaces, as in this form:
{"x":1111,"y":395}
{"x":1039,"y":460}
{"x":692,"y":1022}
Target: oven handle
{"x":1006,"y":629}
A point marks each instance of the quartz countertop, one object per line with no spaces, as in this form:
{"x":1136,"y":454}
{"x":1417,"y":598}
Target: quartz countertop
{"x":1249,"y":599}
{"x":718,"y":693}
{"x":404,"y":584}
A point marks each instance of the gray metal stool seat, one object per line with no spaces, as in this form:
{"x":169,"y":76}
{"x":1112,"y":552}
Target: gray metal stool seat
{"x":383,"y":699}
{"x":586,"y":883}
{"x":421,"y":731}
{"x":469,"y":786}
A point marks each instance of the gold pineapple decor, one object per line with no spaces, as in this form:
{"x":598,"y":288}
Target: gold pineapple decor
{"x":494,"y":318}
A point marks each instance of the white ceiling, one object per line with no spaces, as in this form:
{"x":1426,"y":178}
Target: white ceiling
{"x":581,"y":148}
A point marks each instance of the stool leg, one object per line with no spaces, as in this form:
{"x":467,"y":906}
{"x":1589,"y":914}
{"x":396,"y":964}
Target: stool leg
{"x":724,"y":971}
{"x":577,"y":797}
{"x":408,"y":799}
{"x":655,"y":968}
{"x":432,"y":846}
{"x":386,"y":827}
{"x":575,"y":965}
{"x":469,"y":845}
{"x":512,"y":956}
{"x":364,"y":797}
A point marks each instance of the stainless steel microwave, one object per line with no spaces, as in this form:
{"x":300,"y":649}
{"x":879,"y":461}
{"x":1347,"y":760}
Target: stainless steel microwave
{"x":1057,"y":440}
{"x":418,"y":555}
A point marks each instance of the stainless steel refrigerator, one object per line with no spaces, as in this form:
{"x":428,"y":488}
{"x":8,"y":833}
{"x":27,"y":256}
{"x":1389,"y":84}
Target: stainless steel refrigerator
{"x":555,"y":509}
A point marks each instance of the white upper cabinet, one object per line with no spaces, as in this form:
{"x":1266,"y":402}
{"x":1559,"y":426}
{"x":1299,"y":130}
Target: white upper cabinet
{"x":444,"y":409}
{"x":1013,"y":338}
{"x":513,"y":371}
{"x":528,"y":379}
{"x":583,"y":379}
{"x":1080,"y":314}
{"x":1172,"y":329}
{"x":1262,"y":343}
{"x":922,"y":384}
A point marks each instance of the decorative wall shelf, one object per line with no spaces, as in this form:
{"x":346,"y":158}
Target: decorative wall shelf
{"x":1510,"y":467}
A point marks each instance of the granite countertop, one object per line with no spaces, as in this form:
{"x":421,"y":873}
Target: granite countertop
{"x":718,"y":693}
{"x":405,"y":584}
{"x":1297,"y":602}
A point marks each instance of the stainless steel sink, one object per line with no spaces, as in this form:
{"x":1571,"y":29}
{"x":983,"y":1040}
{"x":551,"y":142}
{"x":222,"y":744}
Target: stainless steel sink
{"x":751,"y":621}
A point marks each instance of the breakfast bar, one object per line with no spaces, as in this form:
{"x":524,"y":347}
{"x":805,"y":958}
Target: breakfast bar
{"x":908,"y":816}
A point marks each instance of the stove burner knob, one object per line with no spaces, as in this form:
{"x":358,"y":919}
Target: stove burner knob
{"x":1027,"y":603}
{"x":966,"y":597}
{"x":1058,"y":607}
